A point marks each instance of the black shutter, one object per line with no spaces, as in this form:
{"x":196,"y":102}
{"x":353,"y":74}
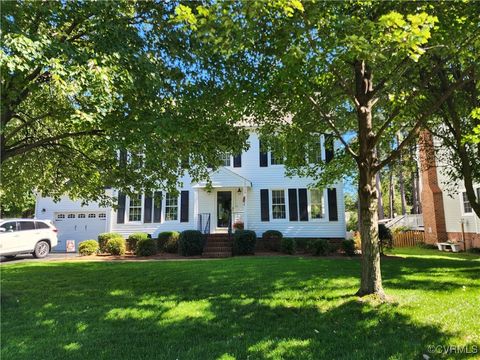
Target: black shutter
{"x":184,"y":206}
{"x":332,"y":204}
{"x":303,"y":204}
{"x":121,"y":208}
{"x":147,"y":209}
{"x":264,"y":206}
{"x":293,"y":204}
{"x":123,"y":158}
{"x":329,"y":151}
{"x":263,"y":156}
{"x":237,"y":160}
{"x":157,"y":206}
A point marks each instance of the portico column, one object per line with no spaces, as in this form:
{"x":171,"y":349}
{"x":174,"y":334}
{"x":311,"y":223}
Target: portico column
{"x":245,"y":215}
{"x":195,"y":208}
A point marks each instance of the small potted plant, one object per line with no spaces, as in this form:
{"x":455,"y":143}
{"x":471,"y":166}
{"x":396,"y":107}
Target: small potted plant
{"x":238,"y":225}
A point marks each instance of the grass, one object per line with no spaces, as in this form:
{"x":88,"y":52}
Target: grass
{"x":239,"y":308}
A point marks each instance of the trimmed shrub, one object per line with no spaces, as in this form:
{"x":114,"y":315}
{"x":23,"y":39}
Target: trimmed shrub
{"x":423,"y":245}
{"x":474,"y":250}
{"x":301,"y":243}
{"x":288,"y":246}
{"x":134,"y":238}
{"x":272,"y":239}
{"x":385,"y":236}
{"x":88,"y":247}
{"x":190,"y":243}
{"x":319,"y":247}
{"x":244,"y":242}
{"x":115,"y":246}
{"x":146,"y":247}
{"x":104,"y":237}
{"x":168,"y":241}
{"x":348,"y":247}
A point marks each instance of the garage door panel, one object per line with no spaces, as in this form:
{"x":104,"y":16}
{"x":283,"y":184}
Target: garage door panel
{"x":79,"y":227}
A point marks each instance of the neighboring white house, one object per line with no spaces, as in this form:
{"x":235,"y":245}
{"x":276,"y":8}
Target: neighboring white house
{"x":447,"y":213}
{"x":251,"y":188}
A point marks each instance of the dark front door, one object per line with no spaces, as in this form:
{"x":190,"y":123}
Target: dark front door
{"x":224,"y":208}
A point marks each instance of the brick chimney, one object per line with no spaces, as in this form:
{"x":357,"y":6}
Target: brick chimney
{"x":432,"y":199}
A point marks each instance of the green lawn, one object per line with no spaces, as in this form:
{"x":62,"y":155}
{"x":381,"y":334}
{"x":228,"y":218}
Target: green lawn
{"x":239,"y":308}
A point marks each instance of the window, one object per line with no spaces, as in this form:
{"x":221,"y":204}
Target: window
{"x":276,"y":159}
{"x":27,"y":225}
{"x":60,"y":216}
{"x":467,"y":208}
{"x":315,"y":151}
{"x":81,"y":216}
{"x":226,"y":160}
{"x":92,"y":216}
{"x":9,"y":226}
{"x":171,"y":207}
{"x":71,"y":216}
{"x":135,"y":208}
{"x":41,"y":225}
{"x":102,"y":216}
{"x":278,"y":204}
{"x":316,"y":204}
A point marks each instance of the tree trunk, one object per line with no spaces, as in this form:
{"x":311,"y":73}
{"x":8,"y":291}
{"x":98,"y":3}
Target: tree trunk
{"x":378,"y":185}
{"x":391,"y":195}
{"x":401,"y":183}
{"x":371,"y":279}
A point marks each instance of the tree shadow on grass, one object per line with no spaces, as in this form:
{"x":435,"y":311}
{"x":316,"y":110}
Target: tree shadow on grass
{"x":272,"y":309}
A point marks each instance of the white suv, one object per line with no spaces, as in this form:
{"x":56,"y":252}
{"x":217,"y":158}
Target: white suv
{"x":20,"y":236}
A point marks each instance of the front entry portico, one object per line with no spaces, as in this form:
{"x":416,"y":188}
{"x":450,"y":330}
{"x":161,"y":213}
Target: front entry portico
{"x":218,"y":206}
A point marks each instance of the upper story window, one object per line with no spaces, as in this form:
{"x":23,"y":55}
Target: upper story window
{"x":315,"y":151}
{"x":278,"y":204}
{"x":275,"y":159}
{"x":171,"y":207}
{"x":316,"y":204}
{"x":135,"y":208}
{"x":226,"y":161}
{"x":467,"y":207}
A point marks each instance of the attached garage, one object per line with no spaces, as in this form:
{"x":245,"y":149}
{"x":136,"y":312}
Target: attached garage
{"x":78,"y":226}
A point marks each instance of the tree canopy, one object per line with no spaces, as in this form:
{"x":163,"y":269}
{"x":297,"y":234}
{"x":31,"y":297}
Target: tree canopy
{"x":357,"y":70}
{"x":83,"y":81}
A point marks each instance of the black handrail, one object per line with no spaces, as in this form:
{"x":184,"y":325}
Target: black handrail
{"x":229,"y":226}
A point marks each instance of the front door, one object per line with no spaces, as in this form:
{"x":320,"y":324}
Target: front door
{"x":224,"y":208}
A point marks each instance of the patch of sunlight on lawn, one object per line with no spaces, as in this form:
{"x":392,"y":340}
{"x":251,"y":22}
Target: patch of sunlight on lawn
{"x":72,"y":346}
{"x":129,"y":313}
{"x":186,"y":310}
{"x":81,"y":326}
{"x":277,"y":349}
{"x":226,"y":357}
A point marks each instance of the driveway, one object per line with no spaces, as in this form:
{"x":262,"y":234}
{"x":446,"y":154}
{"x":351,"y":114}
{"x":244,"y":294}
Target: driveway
{"x":30,"y":258}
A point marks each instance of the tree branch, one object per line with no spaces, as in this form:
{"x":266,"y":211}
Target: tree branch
{"x":334,"y":128}
{"x":414,"y":131}
{"x":19,"y":150}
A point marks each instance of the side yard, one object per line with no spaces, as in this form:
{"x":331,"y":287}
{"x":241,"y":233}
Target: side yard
{"x":238,"y":308}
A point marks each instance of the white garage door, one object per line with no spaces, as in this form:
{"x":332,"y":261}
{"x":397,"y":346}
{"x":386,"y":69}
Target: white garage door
{"x":78,"y":226}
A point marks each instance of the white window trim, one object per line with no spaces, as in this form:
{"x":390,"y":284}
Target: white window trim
{"x":127,"y":212}
{"x":462,"y":208}
{"x":324,"y":207}
{"x":231,"y":161}
{"x":164,"y":210}
{"x":287,"y":215}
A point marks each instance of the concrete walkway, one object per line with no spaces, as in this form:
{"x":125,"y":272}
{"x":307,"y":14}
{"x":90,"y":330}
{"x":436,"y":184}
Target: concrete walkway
{"x":29,"y":258}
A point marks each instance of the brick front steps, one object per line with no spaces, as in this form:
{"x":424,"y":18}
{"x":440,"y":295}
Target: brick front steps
{"x":217,"y":246}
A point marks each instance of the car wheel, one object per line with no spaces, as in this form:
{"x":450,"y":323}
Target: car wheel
{"x":41,"y":249}
{"x":10,"y":256}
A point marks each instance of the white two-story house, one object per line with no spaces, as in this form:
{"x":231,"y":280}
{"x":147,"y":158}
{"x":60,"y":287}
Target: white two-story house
{"x":251,"y":188}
